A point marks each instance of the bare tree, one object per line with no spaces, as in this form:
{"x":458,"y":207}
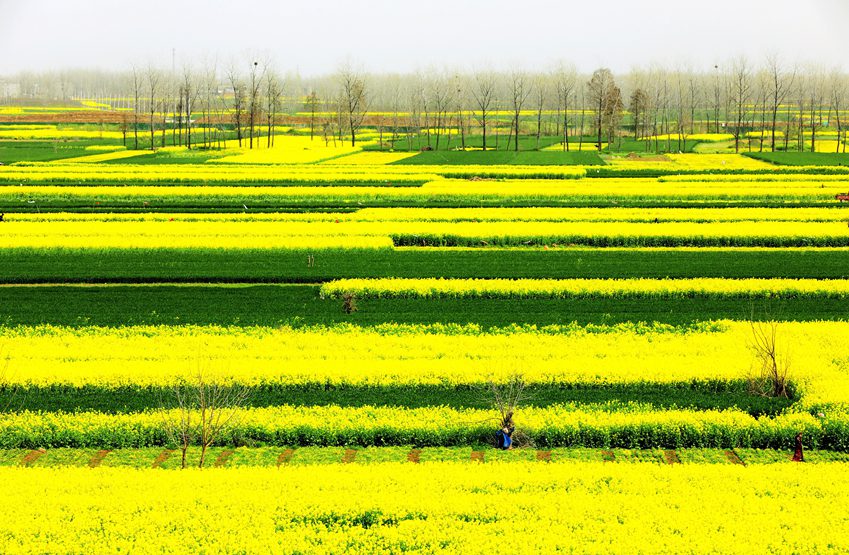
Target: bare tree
{"x":519,"y":92}
{"x":202,"y":411}
{"x":740,"y":92}
{"x":180,"y":426}
{"x":355,"y":99}
{"x":137,"y":88}
{"x":311,"y":103}
{"x":603,"y":95}
{"x":190,"y":95}
{"x":507,"y":398}
{"x":8,"y":391}
{"x":440,"y":93}
{"x":770,"y":375}
{"x":484,"y":94}
{"x":565,"y":78}
{"x":460,"y":99}
{"x":153,"y":79}
{"x":238,"y":101}
{"x":253,"y":99}
{"x":210,"y":86}
{"x":837,"y":83}
{"x":816,"y":90}
{"x":638,"y":107}
{"x":219,"y":407}
{"x":273,"y":90}
{"x":540,"y":95}
{"x":780,"y":84}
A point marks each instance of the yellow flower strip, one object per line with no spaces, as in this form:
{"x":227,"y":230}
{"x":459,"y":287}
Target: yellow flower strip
{"x":411,"y":355}
{"x":394,"y":507}
{"x":566,"y":215}
{"x":268,"y":232}
{"x":432,"y":508}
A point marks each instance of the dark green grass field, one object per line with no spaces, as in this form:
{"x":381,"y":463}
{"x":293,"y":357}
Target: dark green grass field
{"x":269,"y":265}
{"x":420,"y":142}
{"x":240,"y":457}
{"x":531,"y":158}
{"x":696,"y":396}
{"x":802,"y":158}
{"x":45,"y":151}
{"x":117,"y":305}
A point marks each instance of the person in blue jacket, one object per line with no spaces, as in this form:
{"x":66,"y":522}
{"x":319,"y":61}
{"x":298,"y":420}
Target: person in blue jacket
{"x":505,"y":434}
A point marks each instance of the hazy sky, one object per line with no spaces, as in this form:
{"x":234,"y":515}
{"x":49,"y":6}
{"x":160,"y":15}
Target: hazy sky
{"x":314,"y":36}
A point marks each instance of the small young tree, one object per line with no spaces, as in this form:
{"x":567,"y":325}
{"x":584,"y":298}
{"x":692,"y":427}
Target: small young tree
{"x":311,"y":103}
{"x":238,"y":87}
{"x":484,"y":95}
{"x":355,"y":100}
{"x":507,"y":397}
{"x":201,"y":412}
{"x":769,"y":375}
{"x":180,"y":426}
{"x":7,"y":390}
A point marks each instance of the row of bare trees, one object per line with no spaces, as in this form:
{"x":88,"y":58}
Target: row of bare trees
{"x":768,"y":106}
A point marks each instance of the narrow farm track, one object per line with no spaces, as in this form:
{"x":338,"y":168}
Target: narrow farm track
{"x":244,"y":457}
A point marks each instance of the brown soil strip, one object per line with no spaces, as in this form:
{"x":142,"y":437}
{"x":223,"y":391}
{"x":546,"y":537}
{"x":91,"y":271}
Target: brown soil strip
{"x":672,"y":457}
{"x":223,"y":457}
{"x":733,"y":457}
{"x":98,"y":458}
{"x":608,"y":456}
{"x":544,"y":456}
{"x":285,"y":457}
{"x":349,"y":456}
{"x":414,"y":455}
{"x":161,"y":458}
{"x":32,"y":456}
{"x":478,"y":456}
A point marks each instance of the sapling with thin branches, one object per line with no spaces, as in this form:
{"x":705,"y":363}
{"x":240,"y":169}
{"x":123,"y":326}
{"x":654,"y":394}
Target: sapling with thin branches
{"x":770,"y":372}
{"x":507,"y":397}
{"x":202,"y":411}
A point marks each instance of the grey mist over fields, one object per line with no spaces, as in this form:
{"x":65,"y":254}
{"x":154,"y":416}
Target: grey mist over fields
{"x":312,"y":38}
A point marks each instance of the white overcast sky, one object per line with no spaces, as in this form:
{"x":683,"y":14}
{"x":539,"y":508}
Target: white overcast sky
{"x":315,"y":36}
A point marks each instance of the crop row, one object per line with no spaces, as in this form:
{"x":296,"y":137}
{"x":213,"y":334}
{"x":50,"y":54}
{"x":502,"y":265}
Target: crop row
{"x":467,"y":215}
{"x":276,"y":234}
{"x":656,"y":289}
{"x":292,"y":457}
{"x":314,"y":259}
{"x":633,"y":426}
{"x":57,"y":173}
{"x":395,"y":354}
{"x":449,"y":193}
{"x":468,"y":509}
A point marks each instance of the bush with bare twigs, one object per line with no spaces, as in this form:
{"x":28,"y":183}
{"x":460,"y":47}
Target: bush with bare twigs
{"x":770,"y":372}
{"x":201,"y":412}
{"x":507,"y":397}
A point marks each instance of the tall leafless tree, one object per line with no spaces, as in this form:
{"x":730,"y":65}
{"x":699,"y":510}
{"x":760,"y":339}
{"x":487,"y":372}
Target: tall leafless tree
{"x":541,"y":83}
{"x":311,"y":103}
{"x":780,"y":85}
{"x":202,"y":411}
{"x":606,"y":100}
{"x":484,"y":95}
{"x":153,"y":79}
{"x":565,"y":79}
{"x":254,"y":102}
{"x":238,"y":87}
{"x":353,"y":86}
{"x":740,"y":94}
{"x":137,"y":91}
{"x":273,"y":90}
{"x":519,"y":92}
